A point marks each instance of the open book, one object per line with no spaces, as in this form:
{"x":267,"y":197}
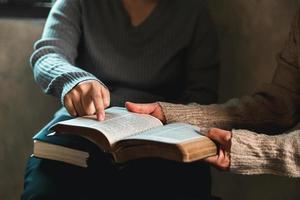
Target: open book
{"x":129,"y":136}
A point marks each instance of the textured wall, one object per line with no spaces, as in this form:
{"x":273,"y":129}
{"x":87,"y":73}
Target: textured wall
{"x":251,"y":33}
{"x":23,"y":107}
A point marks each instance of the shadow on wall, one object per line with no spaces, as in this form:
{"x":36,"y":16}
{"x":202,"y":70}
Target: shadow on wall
{"x":251,"y":34}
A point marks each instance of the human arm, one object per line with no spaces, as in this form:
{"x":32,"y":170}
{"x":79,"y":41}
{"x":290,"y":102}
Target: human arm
{"x":253,"y":153}
{"x":54,"y":66}
{"x":273,"y":107}
{"x":246,"y":152}
{"x":272,"y":110}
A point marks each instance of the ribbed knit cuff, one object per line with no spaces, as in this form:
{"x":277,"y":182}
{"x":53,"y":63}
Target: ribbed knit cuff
{"x":245,"y":153}
{"x":253,"y":153}
{"x":170,"y":111}
{"x":191,"y":114}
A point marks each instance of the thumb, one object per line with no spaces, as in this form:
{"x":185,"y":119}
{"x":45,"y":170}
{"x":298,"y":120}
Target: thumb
{"x":140,"y":108}
{"x":220,"y":136}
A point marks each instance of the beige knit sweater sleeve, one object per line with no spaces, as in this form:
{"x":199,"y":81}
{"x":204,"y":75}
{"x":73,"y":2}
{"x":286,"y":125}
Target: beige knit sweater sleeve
{"x":273,"y":108}
{"x":253,"y":153}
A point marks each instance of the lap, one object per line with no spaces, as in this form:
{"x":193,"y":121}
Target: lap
{"x":152,"y":178}
{"x":141,"y":179}
{"x":163,"y":179}
{"x":46,"y":179}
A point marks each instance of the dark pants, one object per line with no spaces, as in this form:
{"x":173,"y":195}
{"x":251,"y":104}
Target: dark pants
{"x":103,"y":179}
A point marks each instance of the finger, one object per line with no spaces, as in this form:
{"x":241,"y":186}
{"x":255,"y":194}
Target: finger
{"x":153,"y":109}
{"x":76,"y":100}
{"x":221,"y":154}
{"x":69,"y":106}
{"x":223,"y":160}
{"x":88,"y":105}
{"x":146,"y":108}
{"x":218,"y":161}
{"x":212,"y":160}
{"x":98,"y":103}
{"x":106,"y":97}
{"x":219,"y":135}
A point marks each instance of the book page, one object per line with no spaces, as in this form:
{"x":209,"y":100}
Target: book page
{"x":119,"y":123}
{"x":175,"y":133}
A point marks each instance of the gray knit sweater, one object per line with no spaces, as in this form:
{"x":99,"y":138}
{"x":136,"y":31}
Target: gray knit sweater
{"x":171,"y":56}
{"x":272,"y":110}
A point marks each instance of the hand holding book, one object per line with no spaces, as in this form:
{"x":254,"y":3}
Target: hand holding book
{"x":221,"y":137}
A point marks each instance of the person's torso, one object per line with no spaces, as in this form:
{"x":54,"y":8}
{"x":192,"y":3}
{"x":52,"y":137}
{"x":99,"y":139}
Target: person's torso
{"x":149,"y":57}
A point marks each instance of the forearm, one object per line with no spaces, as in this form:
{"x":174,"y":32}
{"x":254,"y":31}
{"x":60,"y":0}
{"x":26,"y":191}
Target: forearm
{"x":270,"y":109}
{"x":53,"y":59}
{"x":195,"y":114}
{"x":56,"y":76}
{"x":253,"y":153}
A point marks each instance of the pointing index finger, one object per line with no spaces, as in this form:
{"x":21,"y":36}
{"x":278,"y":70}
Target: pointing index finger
{"x":98,"y":103}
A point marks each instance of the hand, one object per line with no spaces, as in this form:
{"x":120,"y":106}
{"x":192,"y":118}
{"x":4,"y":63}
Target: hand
{"x":223,"y":138}
{"x":153,"y":109}
{"x":88,"y":98}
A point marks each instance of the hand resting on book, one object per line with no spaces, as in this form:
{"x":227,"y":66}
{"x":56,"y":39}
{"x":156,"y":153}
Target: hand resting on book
{"x":153,"y":109}
{"x":221,"y":137}
{"x":88,"y":98}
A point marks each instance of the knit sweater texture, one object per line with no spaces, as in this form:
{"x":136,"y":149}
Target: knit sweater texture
{"x":266,"y":147}
{"x":172,"y":56}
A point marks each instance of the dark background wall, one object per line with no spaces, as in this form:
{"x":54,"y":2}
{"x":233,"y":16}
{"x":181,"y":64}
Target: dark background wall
{"x":251,"y":33}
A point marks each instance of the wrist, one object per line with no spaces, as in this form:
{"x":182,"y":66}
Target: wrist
{"x":162,"y":115}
